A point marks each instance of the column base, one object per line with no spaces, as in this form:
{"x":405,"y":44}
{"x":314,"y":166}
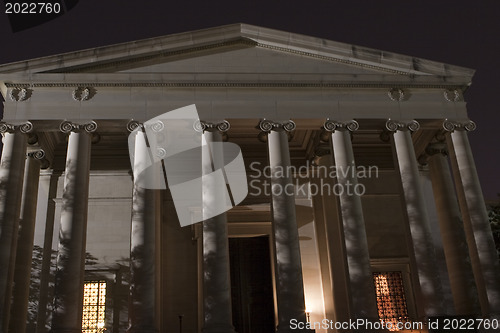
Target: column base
{"x":218,"y":329}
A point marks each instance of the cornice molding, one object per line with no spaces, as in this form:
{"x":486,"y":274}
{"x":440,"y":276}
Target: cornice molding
{"x":331,"y":59}
{"x":244,"y":41}
{"x":22,"y":85}
{"x":162,"y":54}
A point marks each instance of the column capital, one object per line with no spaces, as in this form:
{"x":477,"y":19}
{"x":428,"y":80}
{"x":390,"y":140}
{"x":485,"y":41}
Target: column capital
{"x":206,"y":126}
{"x":40,"y":156}
{"x":132,"y":125}
{"x":452,"y":125}
{"x":333,"y":125}
{"x":26,"y":127}
{"x":69,"y":126}
{"x":402,"y":125}
{"x":432,"y":149}
{"x":266,"y":125}
{"x":436,"y":148}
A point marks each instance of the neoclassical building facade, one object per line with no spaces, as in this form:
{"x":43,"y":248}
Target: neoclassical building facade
{"x":363,"y":197}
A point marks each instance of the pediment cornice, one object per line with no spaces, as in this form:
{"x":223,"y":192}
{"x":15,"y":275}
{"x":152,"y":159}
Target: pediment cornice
{"x":105,"y":59}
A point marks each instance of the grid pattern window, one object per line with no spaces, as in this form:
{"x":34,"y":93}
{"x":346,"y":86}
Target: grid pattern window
{"x":391,"y":300}
{"x":94,"y":306}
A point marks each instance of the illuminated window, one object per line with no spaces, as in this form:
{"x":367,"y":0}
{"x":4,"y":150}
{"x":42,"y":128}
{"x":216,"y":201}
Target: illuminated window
{"x":94,"y":305}
{"x":391,"y":300}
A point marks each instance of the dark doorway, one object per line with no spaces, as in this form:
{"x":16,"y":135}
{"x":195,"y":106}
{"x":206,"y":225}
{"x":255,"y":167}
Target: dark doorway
{"x":251,"y":285}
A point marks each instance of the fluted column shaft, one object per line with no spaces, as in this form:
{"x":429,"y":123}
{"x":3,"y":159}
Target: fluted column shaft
{"x":478,"y":231}
{"x":45,"y":294}
{"x":363,"y":300}
{"x":421,"y":239}
{"x":22,"y":273}
{"x":67,"y":315}
{"x":216,"y":273}
{"x":289,"y":280}
{"x":145,"y":207}
{"x":11,"y":184}
{"x":462,"y":283}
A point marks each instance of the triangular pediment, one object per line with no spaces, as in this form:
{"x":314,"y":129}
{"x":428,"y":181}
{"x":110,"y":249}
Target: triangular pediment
{"x":246,"y":58}
{"x":237,"y":48}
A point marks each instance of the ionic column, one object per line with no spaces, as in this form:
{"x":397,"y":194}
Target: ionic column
{"x":217,"y":311}
{"x":11,"y":185}
{"x":289,"y":282}
{"x":145,"y":210}
{"x":477,"y":228}
{"x":419,"y":232}
{"x":451,"y":227}
{"x":22,"y":272}
{"x":68,"y":299}
{"x":362,"y":291}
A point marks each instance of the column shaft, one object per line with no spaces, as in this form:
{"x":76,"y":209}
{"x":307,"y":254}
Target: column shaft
{"x":22,"y":273}
{"x":11,"y":181}
{"x":462,"y":283}
{"x":289,"y":282}
{"x":362,"y":298}
{"x":45,"y":292}
{"x":67,"y":315}
{"x":478,"y":231}
{"x":145,"y":205}
{"x":421,"y":241}
{"x":216,"y":272}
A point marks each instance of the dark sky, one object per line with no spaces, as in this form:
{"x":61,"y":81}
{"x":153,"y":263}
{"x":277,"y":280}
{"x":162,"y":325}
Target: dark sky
{"x":464,"y":33}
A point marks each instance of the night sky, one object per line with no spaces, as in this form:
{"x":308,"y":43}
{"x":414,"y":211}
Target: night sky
{"x":463,"y":33}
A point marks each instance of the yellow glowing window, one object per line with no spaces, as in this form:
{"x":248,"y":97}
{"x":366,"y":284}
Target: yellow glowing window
{"x":391,"y":300}
{"x":94,"y":306}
